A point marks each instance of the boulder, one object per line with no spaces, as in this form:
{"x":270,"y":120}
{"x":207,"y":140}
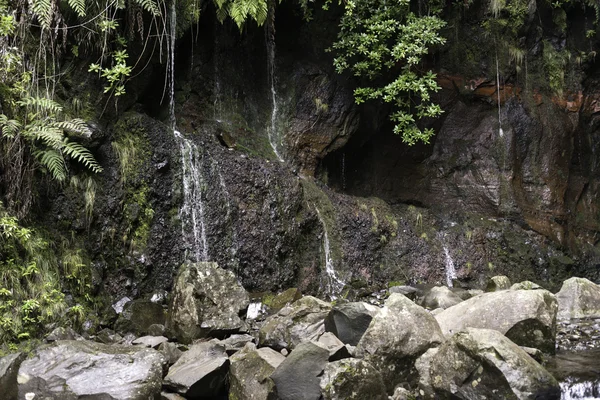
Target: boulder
{"x":9,"y":367}
{"x":578,"y":298}
{"x":496,"y":283}
{"x":300,"y":321}
{"x":108,"y":336}
{"x":298,"y":376}
{"x":170,"y":351}
{"x":527,"y":317}
{"x":200,"y":372}
{"x":236,"y":342}
{"x":396,"y":337}
{"x":75,"y":369}
{"x":350,"y":321}
{"x":156,"y":330}
{"x":250,"y":372}
{"x":62,"y":333}
{"x":150,"y":341}
{"x":277,"y":302}
{"x":337,"y":349}
{"x":440,"y":297}
{"x":205,"y":298}
{"x":352,"y":379}
{"x":483,"y":363}
{"x":408,"y":291}
{"x":138,"y":316}
{"x":525,"y":285}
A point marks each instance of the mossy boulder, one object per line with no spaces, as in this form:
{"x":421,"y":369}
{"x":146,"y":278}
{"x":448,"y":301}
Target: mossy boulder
{"x":440,"y":297}
{"x":250,"y":372}
{"x":138,"y":316}
{"x":349,"y":321}
{"x":396,"y":337}
{"x":352,"y":379}
{"x":479,"y":363}
{"x":205,"y":298}
{"x":301,"y":321}
{"x":578,"y":298}
{"x":496,"y":283}
{"x":527,"y":317}
{"x":9,"y":367}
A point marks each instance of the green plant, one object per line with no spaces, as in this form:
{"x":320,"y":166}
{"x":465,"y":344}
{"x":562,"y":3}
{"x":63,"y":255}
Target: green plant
{"x":376,"y":42}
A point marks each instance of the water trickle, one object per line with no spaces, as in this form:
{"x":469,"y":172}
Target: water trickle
{"x":450,"y":270}
{"x":191,"y":213}
{"x":500,"y":131}
{"x":272,"y":129}
{"x":334,"y":284}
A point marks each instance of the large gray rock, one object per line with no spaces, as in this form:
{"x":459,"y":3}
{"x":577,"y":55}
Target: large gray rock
{"x":498,"y":282}
{"x":482,"y":363}
{"x":297,"y":377}
{"x":527,"y":317}
{"x":440,"y":297}
{"x":205,"y":298}
{"x":200,"y":371}
{"x":352,"y":379}
{"x":525,"y":285}
{"x":350,"y":321}
{"x":578,"y":298}
{"x":250,"y":372}
{"x":69,"y":370}
{"x":9,"y":367}
{"x":302,"y":320}
{"x":396,"y":337}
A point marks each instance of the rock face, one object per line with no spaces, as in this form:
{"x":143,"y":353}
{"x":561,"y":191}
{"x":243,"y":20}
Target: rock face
{"x":479,"y":363}
{"x":578,"y":298}
{"x":300,"y":321}
{"x":72,"y":370}
{"x":297,"y":377}
{"x":250,"y":371}
{"x":200,"y":371}
{"x":350,"y":321}
{"x":440,"y":297}
{"x":352,"y":379}
{"x":527,"y":317}
{"x":205,"y":299}
{"x":139,"y":315}
{"x":9,"y":367}
{"x":396,"y":337}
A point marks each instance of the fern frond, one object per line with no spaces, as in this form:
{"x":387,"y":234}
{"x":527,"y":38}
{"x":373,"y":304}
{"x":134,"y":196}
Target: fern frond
{"x":75,"y":126}
{"x":150,"y":6}
{"x":10,"y":127}
{"x":220,"y":4}
{"x":41,"y":103}
{"x":81,"y":154}
{"x":78,"y":6}
{"x":54,"y":162}
{"x":238,"y":12}
{"x":43,"y":10}
{"x":260,"y":11}
{"x":48,"y":134}
{"x":222,"y":14}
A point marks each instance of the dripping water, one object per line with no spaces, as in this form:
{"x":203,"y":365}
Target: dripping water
{"x":334,"y":284}
{"x":272,"y":131}
{"x":500,"y":131}
{"x":449,"y":266}
{"x":191,"y":213}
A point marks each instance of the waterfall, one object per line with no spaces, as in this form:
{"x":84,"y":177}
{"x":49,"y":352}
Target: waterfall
{"x":191,"y":213}
{"x":272,"y":131}
{"x":334,"y":284}
{"x":450,"y":270}
{"x":500,"y":131}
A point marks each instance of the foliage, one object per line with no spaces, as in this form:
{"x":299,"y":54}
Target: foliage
{"x":30,"y":289}
{"x":376,"y":41}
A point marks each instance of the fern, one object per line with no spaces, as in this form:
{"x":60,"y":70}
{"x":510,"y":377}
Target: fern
{"x":41,"y":103}
{"x":78,"y":6}
{"x":81,"y":154}
{"x":49,"y":135}
{"x":150,"y":6}
{"x":222,"y":14}
{"x":43,"y":10}
{"x":10,"y":127}
{"x":75,"y":126}
{"x":54,"y":162}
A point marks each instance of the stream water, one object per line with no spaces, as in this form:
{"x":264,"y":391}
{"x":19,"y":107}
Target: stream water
{"x":272,"y":129}
{"x":334,"y":284}
{"x":191,"y":214}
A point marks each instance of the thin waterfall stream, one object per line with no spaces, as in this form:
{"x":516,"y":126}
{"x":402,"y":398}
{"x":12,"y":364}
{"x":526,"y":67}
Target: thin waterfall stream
{"x":334,"y":284}
{"x":191,"y":213}
{"x":272,"y":130}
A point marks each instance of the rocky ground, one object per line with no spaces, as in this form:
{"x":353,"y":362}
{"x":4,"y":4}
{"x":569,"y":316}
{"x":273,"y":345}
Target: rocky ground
{"x":209,"y":340}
